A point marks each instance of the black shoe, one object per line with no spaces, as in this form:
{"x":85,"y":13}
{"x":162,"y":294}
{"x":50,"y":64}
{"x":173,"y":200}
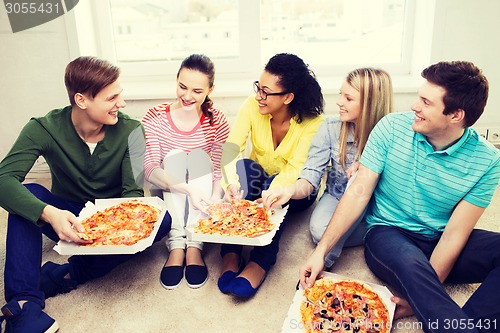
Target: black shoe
{"x":196,"y":275}
{"x":52,"y":281}
{"x":171,"y":276}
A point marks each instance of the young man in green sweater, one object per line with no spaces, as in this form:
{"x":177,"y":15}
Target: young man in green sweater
{"x":94,"y":152}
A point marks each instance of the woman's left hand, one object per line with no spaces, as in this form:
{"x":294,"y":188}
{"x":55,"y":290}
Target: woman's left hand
{"x":233,"y":192}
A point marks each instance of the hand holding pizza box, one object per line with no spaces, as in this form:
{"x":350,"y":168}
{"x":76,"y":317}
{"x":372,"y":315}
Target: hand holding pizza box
{"x":239,"y":222}
{"x":117,"y":226}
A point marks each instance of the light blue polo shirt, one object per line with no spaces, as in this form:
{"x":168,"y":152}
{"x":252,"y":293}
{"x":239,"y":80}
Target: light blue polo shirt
{"x":418,"y":187}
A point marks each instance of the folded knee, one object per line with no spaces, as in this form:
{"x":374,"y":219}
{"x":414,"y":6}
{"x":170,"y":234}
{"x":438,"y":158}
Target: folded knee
{"x":317,"y":232}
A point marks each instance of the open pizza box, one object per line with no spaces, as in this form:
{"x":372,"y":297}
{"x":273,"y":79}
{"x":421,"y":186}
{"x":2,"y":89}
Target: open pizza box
{"x":69,"y":248}
{"x":293,"y":321}
{"x":262,"y":240}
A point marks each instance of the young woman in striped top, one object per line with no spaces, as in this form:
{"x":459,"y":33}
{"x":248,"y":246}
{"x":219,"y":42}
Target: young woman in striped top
{"x":183,"y":152}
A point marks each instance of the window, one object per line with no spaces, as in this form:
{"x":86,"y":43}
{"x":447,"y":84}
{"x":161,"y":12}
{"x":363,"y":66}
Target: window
{"x":149,"y":38}
{"x":341,"y":33}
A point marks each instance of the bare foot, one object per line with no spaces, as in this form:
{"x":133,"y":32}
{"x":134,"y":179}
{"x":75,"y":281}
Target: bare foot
{"x":254,"y":274}
{"x":403,"y":308}
{"x":230,"y":262}
{"x":175,"y":258}
{"x":193,"y":257}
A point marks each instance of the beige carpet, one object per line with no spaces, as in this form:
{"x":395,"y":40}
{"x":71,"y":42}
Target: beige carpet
{"x":131,"y":299}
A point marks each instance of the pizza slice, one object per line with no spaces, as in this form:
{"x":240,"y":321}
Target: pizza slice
{"x":219,"y":210}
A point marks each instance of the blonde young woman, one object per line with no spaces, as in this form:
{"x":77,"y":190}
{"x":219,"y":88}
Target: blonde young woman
{"x":365,"y":97}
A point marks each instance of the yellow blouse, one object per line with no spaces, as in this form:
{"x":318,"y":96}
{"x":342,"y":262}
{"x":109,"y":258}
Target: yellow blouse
{"x":286,"y":161}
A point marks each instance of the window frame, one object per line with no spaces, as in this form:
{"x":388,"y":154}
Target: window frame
{"x":90,"y":32}
{"x":100,"y":12}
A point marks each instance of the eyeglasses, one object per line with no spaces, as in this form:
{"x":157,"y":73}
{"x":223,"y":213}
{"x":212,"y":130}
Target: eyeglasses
{"x":263,"y":95}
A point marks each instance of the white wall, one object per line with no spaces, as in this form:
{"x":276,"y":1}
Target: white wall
{"x":469,"y":30}
{"x":32,"y":65}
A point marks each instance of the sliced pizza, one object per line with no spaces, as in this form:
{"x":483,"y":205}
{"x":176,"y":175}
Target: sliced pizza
{"x":343,"y":306}
{"x":237,"y":218}
{"x":123,"y":224}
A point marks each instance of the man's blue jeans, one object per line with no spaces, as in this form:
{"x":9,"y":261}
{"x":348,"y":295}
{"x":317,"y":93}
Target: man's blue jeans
{"x":24,"y":252}
{"x":253,"y":181}
{"x":401,"y":258}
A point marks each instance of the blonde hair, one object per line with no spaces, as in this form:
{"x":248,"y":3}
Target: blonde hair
{"x":375,"y":90}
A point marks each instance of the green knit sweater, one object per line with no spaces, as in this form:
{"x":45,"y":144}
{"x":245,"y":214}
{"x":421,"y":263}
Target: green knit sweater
{"x":76,"y":175}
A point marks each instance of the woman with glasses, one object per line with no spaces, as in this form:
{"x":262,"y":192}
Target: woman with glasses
{"x":183,"y":151}
{"x":281,"y":120}
{"x":365,"y":97}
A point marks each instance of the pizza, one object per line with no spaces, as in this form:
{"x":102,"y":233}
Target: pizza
{"x":236,"y":218}
{"x":123,"y":224}
{"x":219,"y":210}
{"x":343,"y":306}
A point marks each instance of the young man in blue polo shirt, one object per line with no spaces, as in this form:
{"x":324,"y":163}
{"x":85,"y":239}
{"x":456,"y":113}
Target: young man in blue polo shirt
{"x":432,"y":177}
{"x":94,"y":152}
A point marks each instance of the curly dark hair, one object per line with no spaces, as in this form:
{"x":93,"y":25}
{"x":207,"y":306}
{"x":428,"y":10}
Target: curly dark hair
{"x":202,"y":64}
{"x":466,"y":87}
{"x":296,"y":77}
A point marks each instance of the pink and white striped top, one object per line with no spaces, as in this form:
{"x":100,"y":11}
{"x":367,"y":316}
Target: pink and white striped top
{"x":162,"y":136}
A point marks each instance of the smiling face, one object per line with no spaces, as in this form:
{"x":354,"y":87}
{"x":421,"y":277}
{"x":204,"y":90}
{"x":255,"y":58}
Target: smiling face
{"x":349,"y":103}
{"x":192,"y":89}
{"x":273,"y":104}
{"x":103,"y":108}
{"x":429,"y":118}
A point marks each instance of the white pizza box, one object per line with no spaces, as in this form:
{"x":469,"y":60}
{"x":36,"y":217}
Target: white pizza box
{"x":293,"y":321}
{"x":70,"y":248}
{"x":276,"y":218}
